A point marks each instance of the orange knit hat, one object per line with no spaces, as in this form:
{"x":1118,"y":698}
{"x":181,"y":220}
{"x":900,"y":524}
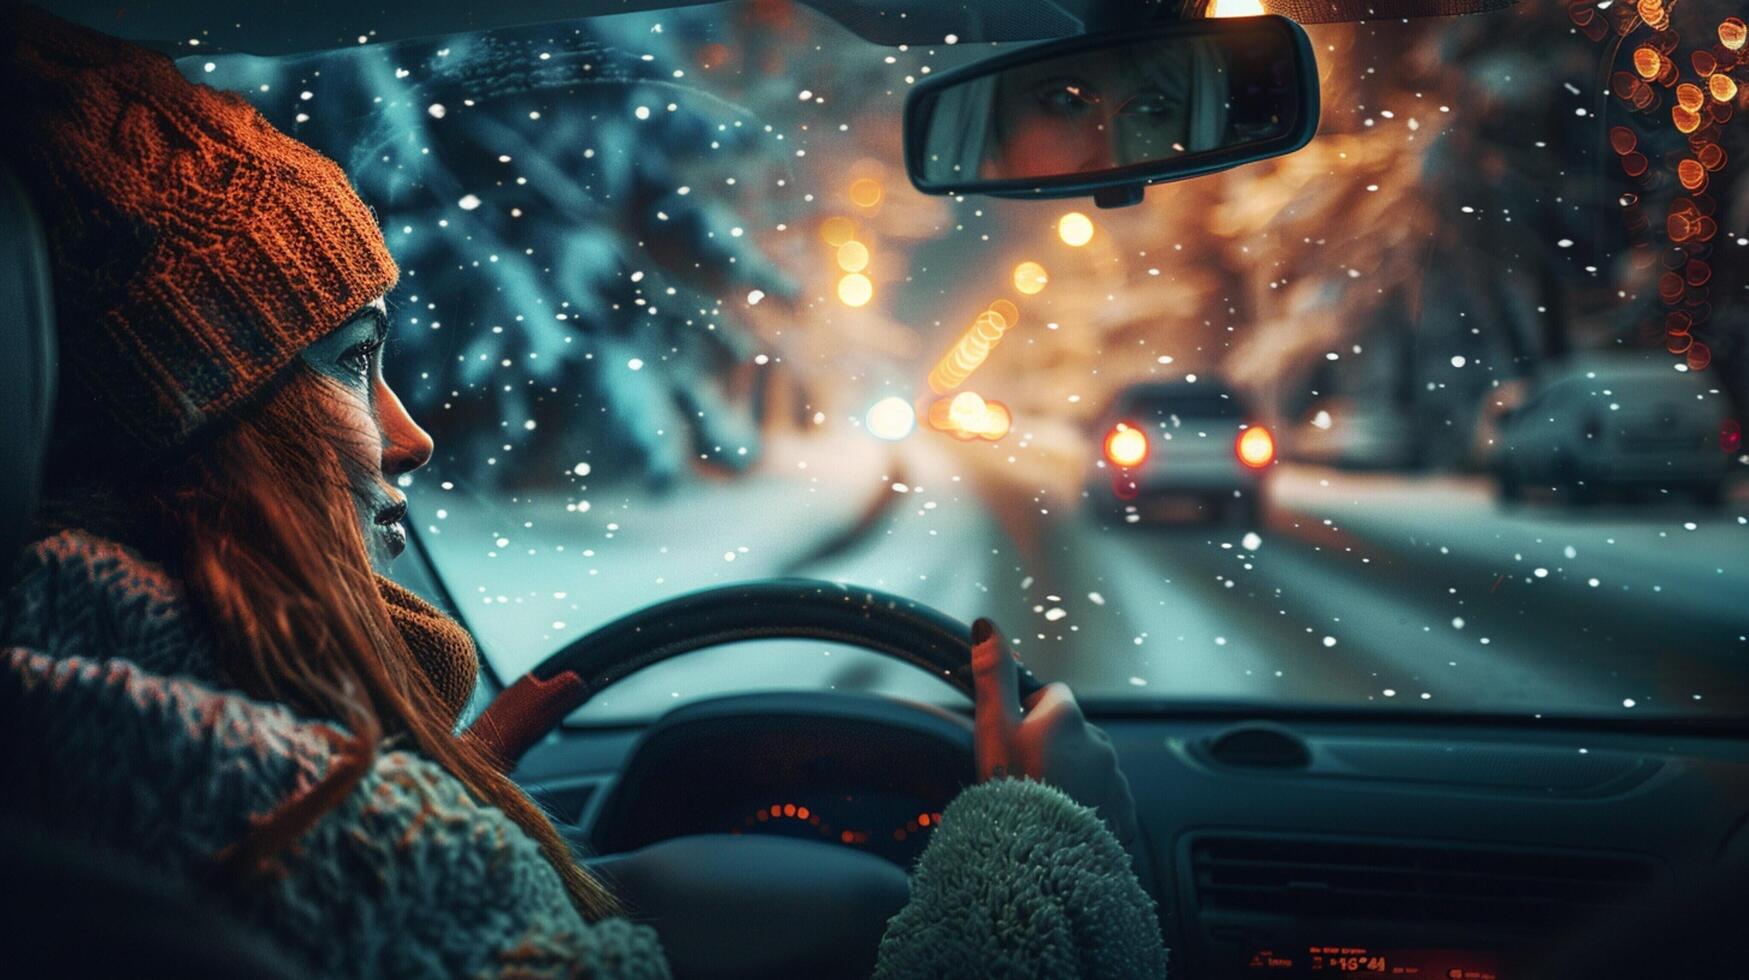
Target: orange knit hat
{"x":196,"y":250}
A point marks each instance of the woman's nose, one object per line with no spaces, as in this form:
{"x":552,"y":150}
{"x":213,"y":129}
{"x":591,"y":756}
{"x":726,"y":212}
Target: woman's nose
{"x":406,"y":446}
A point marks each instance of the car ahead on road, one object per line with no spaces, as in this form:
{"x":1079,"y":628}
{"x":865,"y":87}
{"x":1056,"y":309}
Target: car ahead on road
{"x":1355,"y":433}
{"x":1194,"y":444}
{"x":1623,"y":423}
{"x":1398,"y":732}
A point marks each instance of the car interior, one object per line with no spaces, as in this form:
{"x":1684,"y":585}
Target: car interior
{"x":767,"y":831}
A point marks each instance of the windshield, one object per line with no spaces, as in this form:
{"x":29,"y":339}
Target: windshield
{"x":676,"y":318}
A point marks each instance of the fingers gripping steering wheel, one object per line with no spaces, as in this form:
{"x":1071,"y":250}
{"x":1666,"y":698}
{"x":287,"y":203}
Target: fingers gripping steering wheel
{"x":800,"y":609}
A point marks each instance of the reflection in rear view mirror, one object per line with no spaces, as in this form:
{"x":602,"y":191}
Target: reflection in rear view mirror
{"x":1190,"y":98}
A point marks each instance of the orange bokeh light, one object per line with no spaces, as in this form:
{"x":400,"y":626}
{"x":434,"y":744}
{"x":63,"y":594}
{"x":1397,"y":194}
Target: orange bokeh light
{"x":1126,"y":446}
{"x":1648,"y":62}
{"x":1733,"y":32}
{"x":1256,"y":447}
{"x":974,"y":345}
{"x":1075,"y":229}
{"x":837,"y":230}
{"x":997,"y":421}
{"x":1236,"y":8}
{"x":1690,"y":97}
{"x":865,"y":192}
{"x":852,"y":256}
{"x":1722,"y":87}
{"x":968,"y":416}
{"x":855,"y":289}
{"x":1691,"y":174}
{"x":1030,"y":277}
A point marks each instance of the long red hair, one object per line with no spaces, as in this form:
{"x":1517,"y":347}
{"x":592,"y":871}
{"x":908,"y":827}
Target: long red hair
{"x":259,"y":520}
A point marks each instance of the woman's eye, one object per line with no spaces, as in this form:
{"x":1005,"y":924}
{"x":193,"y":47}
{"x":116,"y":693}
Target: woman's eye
{"x":1066,"y":99}
{"x":357,"y":360}
{"x":1148,"y":104}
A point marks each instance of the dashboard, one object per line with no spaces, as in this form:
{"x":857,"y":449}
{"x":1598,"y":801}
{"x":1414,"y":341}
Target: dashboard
{"x":890,"y":825}
{"x":790,"y":765}
{"x":1280,"y":846}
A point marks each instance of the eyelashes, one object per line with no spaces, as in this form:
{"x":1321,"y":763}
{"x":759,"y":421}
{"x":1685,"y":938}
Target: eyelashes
{"x":357,"y":359}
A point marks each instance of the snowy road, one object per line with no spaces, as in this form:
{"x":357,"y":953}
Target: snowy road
{"x":1368,"y":589}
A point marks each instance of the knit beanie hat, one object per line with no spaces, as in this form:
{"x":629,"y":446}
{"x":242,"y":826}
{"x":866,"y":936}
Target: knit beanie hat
{"x":195,"y":249}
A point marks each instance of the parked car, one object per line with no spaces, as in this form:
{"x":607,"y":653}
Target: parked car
{"x":1614,"y":422}
{"x":1166,"y":443}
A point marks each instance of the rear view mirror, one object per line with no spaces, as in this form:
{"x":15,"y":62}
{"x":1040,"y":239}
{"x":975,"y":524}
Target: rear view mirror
{"x":1107,"y":114}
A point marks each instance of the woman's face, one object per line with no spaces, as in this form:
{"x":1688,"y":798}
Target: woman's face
{"x":382,"y":440}
{"x":1084,"y":115}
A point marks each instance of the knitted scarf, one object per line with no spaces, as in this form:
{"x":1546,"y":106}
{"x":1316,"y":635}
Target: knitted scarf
{"x":440,"y":644}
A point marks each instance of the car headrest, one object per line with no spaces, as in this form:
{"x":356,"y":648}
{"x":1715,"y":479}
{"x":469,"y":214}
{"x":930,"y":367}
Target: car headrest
{"x":27,"y":363}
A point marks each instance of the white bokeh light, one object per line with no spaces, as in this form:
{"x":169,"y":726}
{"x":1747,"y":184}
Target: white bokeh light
{"x":892,"y":418}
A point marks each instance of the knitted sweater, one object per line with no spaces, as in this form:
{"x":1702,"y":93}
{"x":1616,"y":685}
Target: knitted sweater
{"x":118,"y":728}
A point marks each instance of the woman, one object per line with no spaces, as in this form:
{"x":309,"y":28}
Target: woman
{"x":201,"y":665}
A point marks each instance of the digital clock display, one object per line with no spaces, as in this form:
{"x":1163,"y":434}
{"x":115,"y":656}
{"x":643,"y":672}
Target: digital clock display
{"x":1340,"y":962}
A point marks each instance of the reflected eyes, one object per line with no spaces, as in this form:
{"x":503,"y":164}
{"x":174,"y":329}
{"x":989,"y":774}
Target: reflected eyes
{"x":1065,"y":98}
{"x":1071,"y":99}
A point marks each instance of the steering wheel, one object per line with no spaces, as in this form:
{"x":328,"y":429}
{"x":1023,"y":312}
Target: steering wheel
{"x":770,"y":609}
{"x":822,"y":908}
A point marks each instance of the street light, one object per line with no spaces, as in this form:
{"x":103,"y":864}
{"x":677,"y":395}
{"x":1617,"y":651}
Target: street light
{"x":892,"y":418}
{"x":1075,"y":229}
{"x":855,"y":289}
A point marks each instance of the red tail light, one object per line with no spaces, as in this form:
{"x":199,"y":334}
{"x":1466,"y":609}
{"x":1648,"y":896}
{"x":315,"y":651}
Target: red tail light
{"x":1126,"y":445}
{"x":1256,"y":447}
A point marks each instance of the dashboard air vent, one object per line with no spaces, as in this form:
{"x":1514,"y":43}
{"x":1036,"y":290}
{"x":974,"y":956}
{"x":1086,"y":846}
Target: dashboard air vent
{"x":1408,"y":882}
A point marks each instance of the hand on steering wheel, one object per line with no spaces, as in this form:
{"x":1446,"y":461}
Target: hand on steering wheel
{"x":1050,"y":741}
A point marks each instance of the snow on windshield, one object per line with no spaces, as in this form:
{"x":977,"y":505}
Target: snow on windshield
{"x":676,"y":319}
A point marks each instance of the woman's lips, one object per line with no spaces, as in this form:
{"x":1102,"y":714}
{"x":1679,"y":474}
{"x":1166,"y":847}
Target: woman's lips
{"x":394,"y":532}
{"x":394,"y":537}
